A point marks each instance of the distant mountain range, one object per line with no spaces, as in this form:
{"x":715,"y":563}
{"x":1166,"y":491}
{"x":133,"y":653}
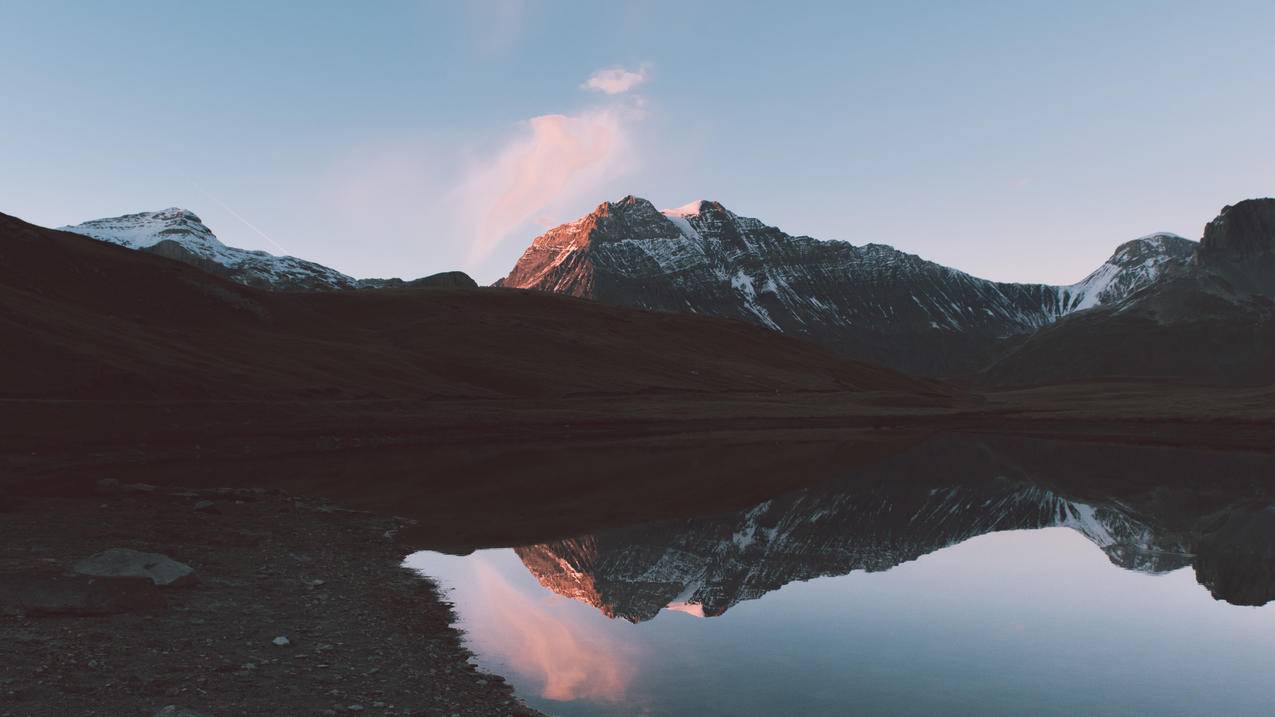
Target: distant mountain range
{"x":89,"y":319}
{"x":179,"y":234}
{"x":1161,"y":307}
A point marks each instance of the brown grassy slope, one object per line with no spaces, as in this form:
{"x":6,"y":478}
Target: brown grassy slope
{"x":84,"y":319}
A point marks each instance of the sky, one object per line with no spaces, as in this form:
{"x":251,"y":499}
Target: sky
{"x":1017,"y":140}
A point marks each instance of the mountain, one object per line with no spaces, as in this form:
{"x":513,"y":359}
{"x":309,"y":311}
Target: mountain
{"x":1209,"y":320}
{"x":869,"y":302}
{"x":178,"y":234}
{"x":88,"y":319}
{"x":1145,"y":508}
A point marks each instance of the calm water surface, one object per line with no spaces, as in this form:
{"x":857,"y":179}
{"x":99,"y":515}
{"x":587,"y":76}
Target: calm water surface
{"x":998,"y":593}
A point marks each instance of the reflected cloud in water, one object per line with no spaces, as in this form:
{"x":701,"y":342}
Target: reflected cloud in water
{"x":535,"y":637}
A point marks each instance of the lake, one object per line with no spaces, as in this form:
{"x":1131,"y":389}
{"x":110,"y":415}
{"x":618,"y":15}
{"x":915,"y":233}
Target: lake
{"x":940,"y":582}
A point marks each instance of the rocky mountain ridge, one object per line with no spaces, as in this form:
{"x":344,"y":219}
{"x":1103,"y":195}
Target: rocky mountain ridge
{"x":871,"y":302}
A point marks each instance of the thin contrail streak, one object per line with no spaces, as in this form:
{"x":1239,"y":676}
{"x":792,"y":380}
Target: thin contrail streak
{"x":247,"y":223}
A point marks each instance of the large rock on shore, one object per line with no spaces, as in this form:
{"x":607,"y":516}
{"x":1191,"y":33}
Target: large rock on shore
{"x":122,"y":562}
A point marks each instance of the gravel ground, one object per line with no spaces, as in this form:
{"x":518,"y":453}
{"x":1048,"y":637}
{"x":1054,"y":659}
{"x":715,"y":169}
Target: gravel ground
{"x":364,"y":635}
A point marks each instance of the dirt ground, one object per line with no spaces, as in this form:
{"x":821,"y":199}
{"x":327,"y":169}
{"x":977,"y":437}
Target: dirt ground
{"x":365,"y":636}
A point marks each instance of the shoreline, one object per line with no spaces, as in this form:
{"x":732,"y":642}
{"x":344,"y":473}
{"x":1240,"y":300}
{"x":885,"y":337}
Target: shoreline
{"x":365,"y":635}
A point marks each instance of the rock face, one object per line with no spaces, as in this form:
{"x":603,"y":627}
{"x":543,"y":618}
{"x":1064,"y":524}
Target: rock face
{"x":1210,"y":320}
{"x":1245,"y":230}
{"x":869,"y":302}
{"x":180,"y":235}
{"x":122,"y":562}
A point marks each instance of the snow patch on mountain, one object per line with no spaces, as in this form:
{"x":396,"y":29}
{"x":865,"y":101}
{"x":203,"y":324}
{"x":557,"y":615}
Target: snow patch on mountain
{"x":686,"y":210}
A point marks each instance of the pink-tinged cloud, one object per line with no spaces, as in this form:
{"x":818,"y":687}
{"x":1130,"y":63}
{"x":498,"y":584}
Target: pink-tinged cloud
{"x":560,"y":158}
{"x":544,"y":644}
{"x":615,"y":80}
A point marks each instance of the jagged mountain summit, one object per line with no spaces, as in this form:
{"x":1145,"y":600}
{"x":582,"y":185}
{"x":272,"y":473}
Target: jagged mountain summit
{"x":870,"y":302}
{"x":181,"y":235}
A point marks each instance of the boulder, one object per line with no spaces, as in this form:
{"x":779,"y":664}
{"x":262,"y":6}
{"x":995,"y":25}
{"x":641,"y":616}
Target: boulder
{"x":122,"y":562}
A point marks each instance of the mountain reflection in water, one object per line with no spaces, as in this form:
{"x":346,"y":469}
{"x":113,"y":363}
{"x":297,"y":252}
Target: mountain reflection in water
{"x":1021,"y":621}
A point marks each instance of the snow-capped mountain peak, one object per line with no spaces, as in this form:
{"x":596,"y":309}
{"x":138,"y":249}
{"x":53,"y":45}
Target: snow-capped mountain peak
{"x":180,"y":234}
{"x":1134,"y":265}
{"x":146,"y":229}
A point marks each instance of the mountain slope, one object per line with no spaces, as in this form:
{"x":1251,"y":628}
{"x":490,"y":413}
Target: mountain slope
{"x":86,"y":319}
{"x":1209,"y":321}
{"x":871,"y":302}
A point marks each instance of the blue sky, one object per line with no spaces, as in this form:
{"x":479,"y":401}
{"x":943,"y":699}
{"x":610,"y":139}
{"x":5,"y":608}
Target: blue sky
{"x":1017,"y":141}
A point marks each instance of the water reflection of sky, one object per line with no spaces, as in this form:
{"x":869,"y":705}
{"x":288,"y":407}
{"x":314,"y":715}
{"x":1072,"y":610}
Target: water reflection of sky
{"x":1015,"y":622}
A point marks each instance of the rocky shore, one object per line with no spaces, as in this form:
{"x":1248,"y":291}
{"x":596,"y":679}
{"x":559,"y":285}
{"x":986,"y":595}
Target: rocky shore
{"x":294,"y":606}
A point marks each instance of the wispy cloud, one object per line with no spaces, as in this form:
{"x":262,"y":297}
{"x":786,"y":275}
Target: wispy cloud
{"x":553,"y":159}
{"x":459,"y":198}
{"x":616,"y":80}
